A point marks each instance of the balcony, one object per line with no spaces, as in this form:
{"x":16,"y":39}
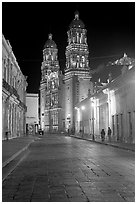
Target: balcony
{"x":13,"y":91}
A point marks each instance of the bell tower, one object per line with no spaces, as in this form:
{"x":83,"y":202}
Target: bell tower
{"x":77,"y":71}
{"x":77,"y":49}
{"x":50,"y":91}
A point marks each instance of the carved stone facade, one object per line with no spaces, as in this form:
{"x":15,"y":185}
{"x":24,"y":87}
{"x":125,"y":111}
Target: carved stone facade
{"x":51,"y":89}
{"x":13,"y":94}
{"x":77,"y":74}
{"x":60,"y":93}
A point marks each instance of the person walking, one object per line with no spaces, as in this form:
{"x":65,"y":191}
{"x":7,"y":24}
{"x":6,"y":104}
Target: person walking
{"x":7,"y":135}
{"x":109,"y":134}
{"x":102,"y":135}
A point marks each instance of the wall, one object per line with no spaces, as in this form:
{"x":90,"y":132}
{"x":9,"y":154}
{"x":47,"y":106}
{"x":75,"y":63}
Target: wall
{"x":68,"y":103}
{"x":13,"y":94}
{"x":32,"y":117}
{"x":112,"y":106}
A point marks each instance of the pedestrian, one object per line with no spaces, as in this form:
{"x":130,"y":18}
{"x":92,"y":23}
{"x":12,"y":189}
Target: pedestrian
{"x":6,"y":135}
{"x":68,"y":131}
{"x":109,"y":134}
{"x":102,"y":135}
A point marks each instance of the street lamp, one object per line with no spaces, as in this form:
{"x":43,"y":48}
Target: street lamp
{"x":82,"y":107}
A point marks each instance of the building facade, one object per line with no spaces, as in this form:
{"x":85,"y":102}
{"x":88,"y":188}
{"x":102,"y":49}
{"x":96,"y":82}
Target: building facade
{"x":32,"y":115}
{"x":13,"y":94}
{"x":112,"y":106}
{"x":77,"y":75}
{"x":51,"y":90}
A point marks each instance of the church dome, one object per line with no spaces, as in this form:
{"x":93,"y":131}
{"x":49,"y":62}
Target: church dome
{"x":77,"y":23}
{"x":50,"y":43}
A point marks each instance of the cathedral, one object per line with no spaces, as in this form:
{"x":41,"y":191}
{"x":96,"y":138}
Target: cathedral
{"x":75,"y":102}
{"x":51,"y":89}
{"x":59,"y":93}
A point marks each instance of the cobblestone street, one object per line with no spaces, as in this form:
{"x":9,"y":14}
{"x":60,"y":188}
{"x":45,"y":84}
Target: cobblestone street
{"x":66,"y":169}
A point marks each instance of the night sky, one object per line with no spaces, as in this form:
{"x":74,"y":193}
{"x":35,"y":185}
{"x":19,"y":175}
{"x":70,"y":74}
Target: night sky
{"x":110,"y":32}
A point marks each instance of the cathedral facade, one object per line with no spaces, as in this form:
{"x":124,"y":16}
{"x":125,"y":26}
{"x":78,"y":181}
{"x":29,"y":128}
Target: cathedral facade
{"x":60,"y":93}
{"x":77,"y":72}
{"x":51,"y":89}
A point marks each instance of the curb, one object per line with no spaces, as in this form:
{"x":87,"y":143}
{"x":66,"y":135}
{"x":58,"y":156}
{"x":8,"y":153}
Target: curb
{"x":125,"y":148}
{"x":15,"y":155}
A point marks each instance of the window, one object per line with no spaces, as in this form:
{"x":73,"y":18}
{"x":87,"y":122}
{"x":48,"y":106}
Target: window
{"x":5,"y":73}
{"x":83,"y":59}
{"x":10,"y":80}
{"x":46,"y":118}
{"x":5,"y":70}
{"x":55,"y":117}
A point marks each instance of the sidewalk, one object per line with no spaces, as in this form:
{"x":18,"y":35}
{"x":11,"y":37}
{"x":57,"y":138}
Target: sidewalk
{"x":126,"y":146}
{"x":13,"y":147}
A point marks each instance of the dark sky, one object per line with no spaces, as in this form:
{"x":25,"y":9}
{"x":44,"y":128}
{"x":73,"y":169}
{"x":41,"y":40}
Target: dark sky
{"x":110,"y":31}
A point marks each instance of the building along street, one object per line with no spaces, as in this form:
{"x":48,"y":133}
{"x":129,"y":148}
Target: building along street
{"x":62,"y":168}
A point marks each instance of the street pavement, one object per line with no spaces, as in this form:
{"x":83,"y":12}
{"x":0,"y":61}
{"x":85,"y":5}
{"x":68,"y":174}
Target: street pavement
{"x":11,"y":148}
{"x":66,"y":169}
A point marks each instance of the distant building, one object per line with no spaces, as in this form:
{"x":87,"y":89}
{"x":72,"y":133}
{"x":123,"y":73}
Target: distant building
{"x":13,"y":94}
{"x":32,"y":116}
{"x":51,"y":90}
{"x":112,"y":105}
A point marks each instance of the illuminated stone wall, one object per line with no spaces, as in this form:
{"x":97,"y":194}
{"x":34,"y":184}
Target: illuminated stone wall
{"x":68,"y":103}
{"x":112,"y":106}
{"x":13,"y":94}
{"x":77,"y":75}
{"x":51,"y":89}
{"x":84,"y":86}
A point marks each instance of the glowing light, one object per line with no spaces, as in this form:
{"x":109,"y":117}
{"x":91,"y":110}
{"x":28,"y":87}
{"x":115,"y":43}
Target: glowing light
{"x":113,"y":102}
{"x":78,"y":114}
{"x":68,"y":115}
{"x":50,"y":36}
{"x":82,"y":107}
{"x":106,"y":91}
{"x":125,"y":55}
